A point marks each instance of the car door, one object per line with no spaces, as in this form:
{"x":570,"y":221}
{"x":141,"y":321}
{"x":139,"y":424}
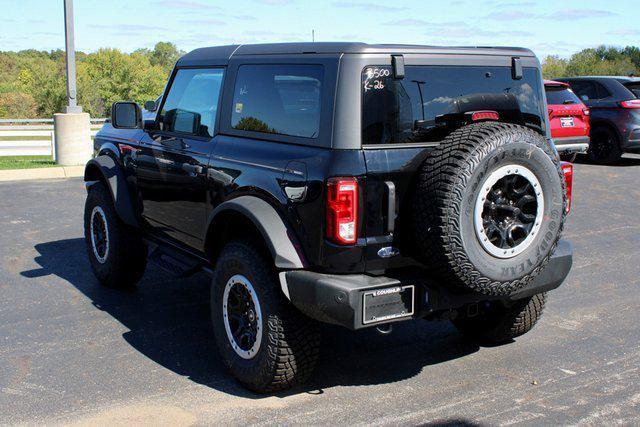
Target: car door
{"x":173,"y":157}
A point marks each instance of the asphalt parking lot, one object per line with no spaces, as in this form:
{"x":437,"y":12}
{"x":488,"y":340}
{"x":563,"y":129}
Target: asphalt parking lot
{"x":73,"y":352}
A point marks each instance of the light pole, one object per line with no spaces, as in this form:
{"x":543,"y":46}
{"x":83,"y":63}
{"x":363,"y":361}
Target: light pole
{"x":70,"y":50}
{"x":71,"y":144}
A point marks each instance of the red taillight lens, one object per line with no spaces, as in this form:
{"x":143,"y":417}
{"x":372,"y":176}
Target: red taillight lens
{"x":342,"y":210}
{"x":485,"y":115}
{"x":633,"y":104}
{"x":567,"y":171}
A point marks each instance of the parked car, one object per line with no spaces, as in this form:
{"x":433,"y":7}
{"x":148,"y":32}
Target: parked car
{"x":614,"y":103}
{"x":569,"y":120}
{"x":352,"y":184}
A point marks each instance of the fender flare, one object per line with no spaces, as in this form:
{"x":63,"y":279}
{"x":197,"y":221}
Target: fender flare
{"x":116,"y":182}
{"x":271,"y":227}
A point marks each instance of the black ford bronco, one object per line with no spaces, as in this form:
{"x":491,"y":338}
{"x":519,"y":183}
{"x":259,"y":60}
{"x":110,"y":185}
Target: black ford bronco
{"x":346,"y":183}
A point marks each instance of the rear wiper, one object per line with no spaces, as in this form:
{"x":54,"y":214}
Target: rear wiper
{"x":568,"y":101}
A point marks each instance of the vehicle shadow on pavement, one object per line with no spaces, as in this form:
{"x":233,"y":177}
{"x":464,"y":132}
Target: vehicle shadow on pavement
{"x":623,"y":161}
{"x":169,"y":322}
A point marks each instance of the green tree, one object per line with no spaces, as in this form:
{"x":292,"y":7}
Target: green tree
{"x":600,"y":61}
{"x":553,"y":67}
{"x":109,"y":75}
{"x":165,"y":55}
{"x":17,"y":105}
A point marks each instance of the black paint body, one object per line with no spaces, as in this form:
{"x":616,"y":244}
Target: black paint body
{"x":175,"y":182}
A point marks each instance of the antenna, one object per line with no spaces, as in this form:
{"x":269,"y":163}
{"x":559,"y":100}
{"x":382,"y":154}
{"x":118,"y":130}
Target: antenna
{"x":313,"y":35}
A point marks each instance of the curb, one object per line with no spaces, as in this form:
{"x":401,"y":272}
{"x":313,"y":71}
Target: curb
{"x":42,"y":173}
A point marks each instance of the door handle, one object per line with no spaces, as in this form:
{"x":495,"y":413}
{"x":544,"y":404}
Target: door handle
{"x":193,"y":170}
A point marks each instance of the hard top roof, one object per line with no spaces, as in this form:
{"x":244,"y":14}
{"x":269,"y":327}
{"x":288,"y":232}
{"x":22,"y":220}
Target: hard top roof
{"x":221,"y":54}
{"x":624,"y":79}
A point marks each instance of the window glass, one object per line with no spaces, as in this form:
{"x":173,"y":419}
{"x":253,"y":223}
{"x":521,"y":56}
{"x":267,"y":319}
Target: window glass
{"x":425,"y":105}
{"x":279,"y":99}
{"x":585,"y":90}
{"x":634,"y":88}
{"x":192,"y":102}
{"x":559,"y":95}
{"x":603,"y":92}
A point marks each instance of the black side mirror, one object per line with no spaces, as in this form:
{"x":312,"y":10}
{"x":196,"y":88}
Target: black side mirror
{"x":126,"y":115}
{"x":150,"y":105}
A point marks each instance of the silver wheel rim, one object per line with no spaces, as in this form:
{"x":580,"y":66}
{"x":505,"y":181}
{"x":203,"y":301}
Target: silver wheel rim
{"x":484,"y":232}
{"x":99,"y":238}
{"x":254,"y":316}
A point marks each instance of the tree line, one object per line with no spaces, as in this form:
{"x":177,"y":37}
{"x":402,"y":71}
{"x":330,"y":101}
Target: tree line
{"x":32,"y":82}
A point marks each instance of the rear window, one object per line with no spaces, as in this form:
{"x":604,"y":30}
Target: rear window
{"x":634,"y":87}
{"x":559,"y":95}
{"x":422,"y":106}
{"x":278,"y":99}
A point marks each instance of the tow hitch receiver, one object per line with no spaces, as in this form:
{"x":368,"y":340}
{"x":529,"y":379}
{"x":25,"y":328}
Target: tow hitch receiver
{"x":385,"y":304}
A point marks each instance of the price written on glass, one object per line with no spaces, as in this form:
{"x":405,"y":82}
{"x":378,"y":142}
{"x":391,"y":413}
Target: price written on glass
{"x":374,"y":79}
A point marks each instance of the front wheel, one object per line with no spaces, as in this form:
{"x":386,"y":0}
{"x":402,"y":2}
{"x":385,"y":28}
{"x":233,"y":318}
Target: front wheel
{"x":117,"y":253}
{"x":498,"y":322}
{"x":266,"y":343}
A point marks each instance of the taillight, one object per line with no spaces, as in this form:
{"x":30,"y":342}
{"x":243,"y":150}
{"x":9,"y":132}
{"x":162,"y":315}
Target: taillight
{"x":484,"y":115}
{"x":567,"y":171}
{"x":586,"y":112}
{"x":633,"y":104}
{"x":342,"y":210}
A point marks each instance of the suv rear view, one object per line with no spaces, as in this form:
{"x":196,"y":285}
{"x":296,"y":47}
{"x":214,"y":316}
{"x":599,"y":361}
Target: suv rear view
{"x":352,"y":184}
{"x":615,"y":114}
{"x":569,"y":120}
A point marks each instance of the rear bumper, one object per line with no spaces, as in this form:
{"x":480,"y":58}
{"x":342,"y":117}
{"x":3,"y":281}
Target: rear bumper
{"x":633,"y":141}
{"x":338,"y":299}
{"x":577,"y":144}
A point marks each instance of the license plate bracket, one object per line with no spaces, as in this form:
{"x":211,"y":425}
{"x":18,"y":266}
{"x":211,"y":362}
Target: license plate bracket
{"x":379,"y":305}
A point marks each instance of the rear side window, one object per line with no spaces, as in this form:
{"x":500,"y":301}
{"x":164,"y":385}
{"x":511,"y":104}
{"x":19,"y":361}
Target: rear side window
{"x":425,"y":104}
{"x":559,"y":95}
{"x":634,"y":88}
{"x":278,"y":99}
{"x":192,"y":102}
{"x":587,"y":90}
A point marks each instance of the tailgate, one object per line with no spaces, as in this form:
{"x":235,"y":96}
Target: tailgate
{"x":391,"y":174}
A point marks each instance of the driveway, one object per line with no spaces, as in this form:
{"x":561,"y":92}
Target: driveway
{"x":73,"y":352}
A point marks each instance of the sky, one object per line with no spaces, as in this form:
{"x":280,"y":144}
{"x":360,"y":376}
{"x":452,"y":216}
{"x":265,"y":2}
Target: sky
{"x":545,"y":26}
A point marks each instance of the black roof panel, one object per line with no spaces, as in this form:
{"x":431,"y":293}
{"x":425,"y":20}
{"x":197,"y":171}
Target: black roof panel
{"x":219,"y":55}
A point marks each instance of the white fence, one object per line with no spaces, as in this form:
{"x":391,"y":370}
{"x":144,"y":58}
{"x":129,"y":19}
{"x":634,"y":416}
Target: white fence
{"x":32,"y":137}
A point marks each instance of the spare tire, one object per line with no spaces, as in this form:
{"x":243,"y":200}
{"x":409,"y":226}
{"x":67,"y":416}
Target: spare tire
{"x":489,"y":208}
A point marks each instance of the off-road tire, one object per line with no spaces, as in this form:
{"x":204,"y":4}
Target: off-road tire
{"x":126,"y":258}
{"x":604,"y":148}
{"x":501,"y":322}
{"x":290,"y":341}
{"x":443,"y":209}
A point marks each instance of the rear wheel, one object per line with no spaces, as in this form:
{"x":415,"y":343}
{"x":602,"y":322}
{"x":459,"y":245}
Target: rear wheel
{"x":604,"y":147}
{"x":499,"y":321}
{"x":266,"y":343}
{"x":117,"y":254}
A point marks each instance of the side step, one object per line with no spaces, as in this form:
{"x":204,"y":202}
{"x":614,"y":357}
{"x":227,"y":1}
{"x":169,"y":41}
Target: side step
{"x":173,"y":261}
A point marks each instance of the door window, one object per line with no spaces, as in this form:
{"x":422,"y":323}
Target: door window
{"x":278,"y":99}
{"x":191,"y":106}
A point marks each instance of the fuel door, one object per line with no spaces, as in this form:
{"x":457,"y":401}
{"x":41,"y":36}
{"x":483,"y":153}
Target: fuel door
{"x":294,"y":181}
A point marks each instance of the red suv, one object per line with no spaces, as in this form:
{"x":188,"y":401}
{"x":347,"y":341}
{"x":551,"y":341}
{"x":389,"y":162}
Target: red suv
{"x":569,"y":119}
